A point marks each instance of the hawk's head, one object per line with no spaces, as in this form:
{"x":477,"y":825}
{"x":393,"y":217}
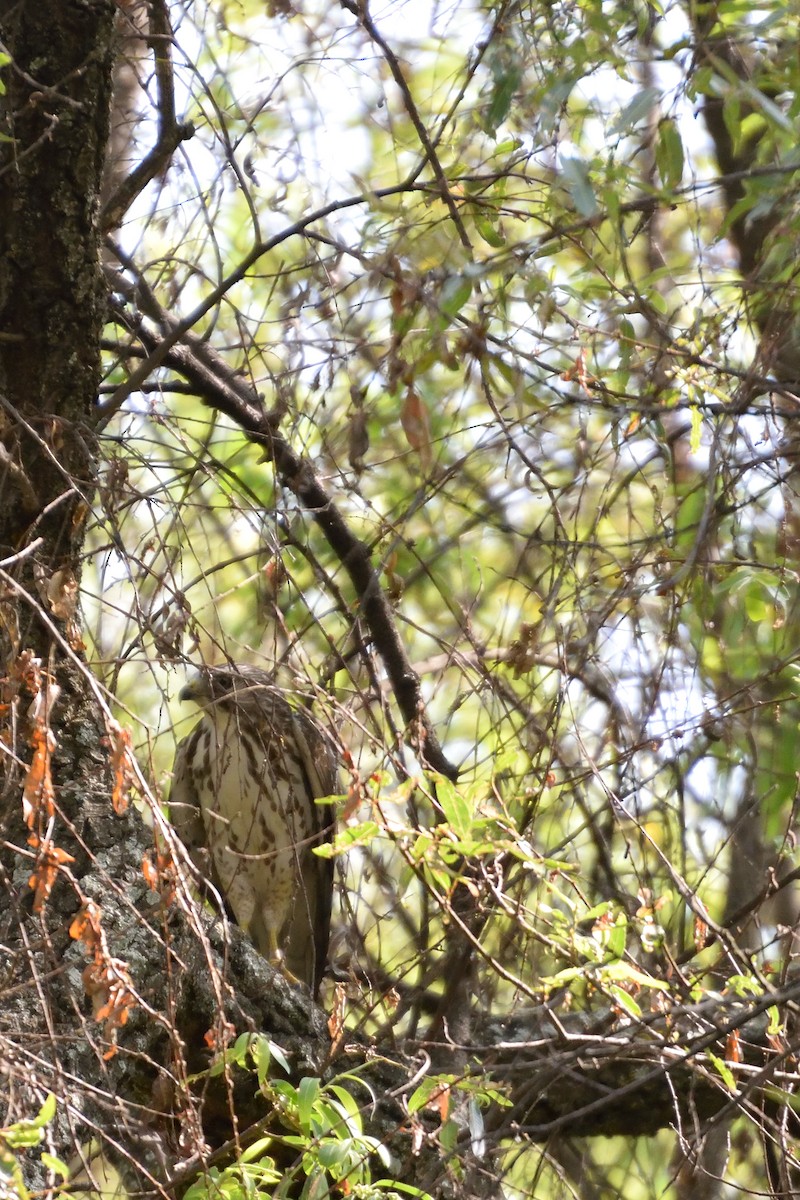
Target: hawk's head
{"x":242,"y":685}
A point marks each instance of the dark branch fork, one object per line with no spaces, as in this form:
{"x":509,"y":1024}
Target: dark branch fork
{"x":220,"y":388}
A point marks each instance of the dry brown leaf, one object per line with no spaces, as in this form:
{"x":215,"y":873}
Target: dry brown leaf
{"x":119,"y":740}
{"x":416,"y":426}
{"x":49,"y":861}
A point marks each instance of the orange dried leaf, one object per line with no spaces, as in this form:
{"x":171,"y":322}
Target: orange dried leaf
{"x":632,"y":425}
{"x":28,"y":670}
{"x":336,"y":1019}
{"x":62,"y":594}
{"x":86,"y":926}
{"x":73,"y":636}
{"x":733,"y":1047}
{"x":119,"y":740}
{"x":397,"y":300}
{"x":275,"y":574}
{"x":392,"y":999}
{"x":79,"y":514}
{"x":440,"y":1102}
{"x":150,"y":872}
{"x":37,"y":792}
{"x":578,"y":372}
{"x":49,"y":861}
{"x":355,"y":796}
{"x":158,"y":870}
{"x":416,"y":425}
{"x":106,"y":980}
{"x":117,"y":1007}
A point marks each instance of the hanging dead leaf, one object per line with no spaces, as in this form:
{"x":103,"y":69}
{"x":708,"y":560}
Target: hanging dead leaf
{"x":733,"y":1047}
{"x":158,"y":870}
{"x":37,"y":793}
{"x":62,"y":594}
{"x":106,"y":979}
{"x":700,"y":933}
{"x":578,"y":373}
{"x":86,"y":926}
{"x":79,"y":515}
{"x":49,"y":861}
{"x":632,"y":426}
{"x":275,"y":574}
{"x":121,"y":764}
{"x":358,"y":440}
{"x":336,"y":1019}
{"x":27,"y":669}
{"x":108,"y":985}
{"x":395,"y":583}
{"x":416,"y":426}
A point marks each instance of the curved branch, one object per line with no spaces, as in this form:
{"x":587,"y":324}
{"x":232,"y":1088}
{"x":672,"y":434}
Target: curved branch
{"x":221,"y":389}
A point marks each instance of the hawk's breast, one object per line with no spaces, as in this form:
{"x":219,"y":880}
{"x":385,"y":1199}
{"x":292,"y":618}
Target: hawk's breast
{"x":254,"y":797}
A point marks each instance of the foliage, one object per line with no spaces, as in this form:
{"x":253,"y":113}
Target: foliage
{"x":515,"y":354}
{"x":517,"y":286}
{"x":21,"y":1136}
{"x":323,"y":1123}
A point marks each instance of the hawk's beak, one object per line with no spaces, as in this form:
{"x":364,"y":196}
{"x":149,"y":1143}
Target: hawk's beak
{"x":190,"y":690}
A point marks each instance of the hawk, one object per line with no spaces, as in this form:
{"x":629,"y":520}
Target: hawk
{"x":243,"y":802}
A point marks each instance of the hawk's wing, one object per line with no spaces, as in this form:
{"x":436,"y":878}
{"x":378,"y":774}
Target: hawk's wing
{"x":308,"y":934}
{"x":185,"y":812}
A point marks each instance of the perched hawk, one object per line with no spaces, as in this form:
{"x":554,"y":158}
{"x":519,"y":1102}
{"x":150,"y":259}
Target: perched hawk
{"x":242,"y":801}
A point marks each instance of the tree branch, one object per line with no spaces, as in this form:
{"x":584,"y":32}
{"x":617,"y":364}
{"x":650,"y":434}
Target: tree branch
{"x":222,"y":389}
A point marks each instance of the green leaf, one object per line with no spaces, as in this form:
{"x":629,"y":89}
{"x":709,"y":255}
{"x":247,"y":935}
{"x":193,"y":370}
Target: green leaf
{"x":333,"y":1155}
{"x":617,"y":936}
{"x":507,"y":78}
{"x":732,"y":116}
{"x":455,"y":806}
{"x":489,"y":232}
{"x":349,"y":1106}
{"x":47,"y":1111}
{"x":280,"y":1058}
{"x":456,"y":291}
{"x":422,"y":1094}
{"x":669,"y":154}
{"x":262,"y":1057}
{"x":448,"y":1135}
{"x":575,"y":176}
{"x":307,"y":1095}
{"x":392,"y":1185}
{"x":626,"y":973}
{"x":355,"y":835}
{"x":22,"y":1135}
{"x":697,"y":429}
{"x":725,"y":1072}
{"x":638,"y":109}
{"x":768,"y":107}
{"x":316,"y":1187}
{"x":776,"y":1026}
{"x":255,"y":1152}
{"x":626,"y":1001}
{"x":55,"y":1164}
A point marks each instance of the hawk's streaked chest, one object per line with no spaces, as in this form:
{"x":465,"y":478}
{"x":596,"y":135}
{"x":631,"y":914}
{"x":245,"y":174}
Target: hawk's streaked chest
{"x":253,"y":792}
